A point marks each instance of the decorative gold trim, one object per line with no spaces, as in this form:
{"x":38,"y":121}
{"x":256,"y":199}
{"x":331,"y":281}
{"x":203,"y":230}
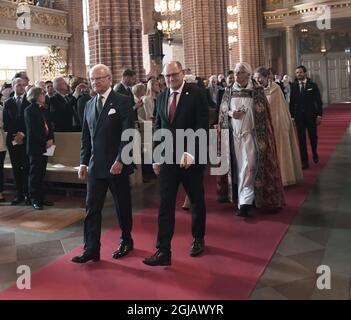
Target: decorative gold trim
{"x":301,"y":11}
{"x":36,"y":34}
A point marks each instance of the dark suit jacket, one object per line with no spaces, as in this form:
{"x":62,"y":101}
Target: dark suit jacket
{"x":13,"y":122}
{"x":62,"y":113}
{"x":307,"y":105}
{"x":81,"y":103}
{"x":35,"y":128}
{"x":191,"y":113}
{"x":122,"y":90}
{"x":101,"y":139}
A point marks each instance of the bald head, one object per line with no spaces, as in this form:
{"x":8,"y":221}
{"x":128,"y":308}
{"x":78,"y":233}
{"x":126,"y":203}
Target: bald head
{"x":174,"y":74}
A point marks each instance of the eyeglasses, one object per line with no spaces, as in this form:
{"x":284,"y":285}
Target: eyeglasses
{"x":98,"y":78}
{"x":173,"y":75}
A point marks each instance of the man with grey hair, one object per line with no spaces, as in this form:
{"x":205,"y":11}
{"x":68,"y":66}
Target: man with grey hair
{"x":253,"y":163}
{"x":16,"y":137}
{"x":63,"y":107}
{"x":106,"y":116}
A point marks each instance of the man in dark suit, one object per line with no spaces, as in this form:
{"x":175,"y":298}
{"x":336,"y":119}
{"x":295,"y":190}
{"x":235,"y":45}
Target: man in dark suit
{"x":183,"y":106}
{"x":63,"y":109}
{"x":125,"y":88}
{"x":106,"y":117}
{"x":16,"y":139}
{"x":40,"y":137}
{"x":306,"y":112}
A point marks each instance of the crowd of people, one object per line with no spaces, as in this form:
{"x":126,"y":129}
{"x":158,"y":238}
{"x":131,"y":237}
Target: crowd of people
{"x":259,"y":111}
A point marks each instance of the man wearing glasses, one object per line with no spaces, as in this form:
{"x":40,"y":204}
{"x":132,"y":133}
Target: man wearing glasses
{"x":106,"y":116}
{"x":182,"y":106}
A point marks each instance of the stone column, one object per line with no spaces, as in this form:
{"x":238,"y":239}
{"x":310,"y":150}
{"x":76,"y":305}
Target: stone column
{"x":75,"y":53}
{"x":290,"y":51}
{"x":205,"y":36}
{"x":115,"y":36}
{"x":76,"y":58}
{"x":251,"y":32}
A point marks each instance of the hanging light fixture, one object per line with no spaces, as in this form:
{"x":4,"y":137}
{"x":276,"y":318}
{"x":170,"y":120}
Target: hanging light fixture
{"x":168,"y":22}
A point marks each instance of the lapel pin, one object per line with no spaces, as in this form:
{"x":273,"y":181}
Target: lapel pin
{"x":187,"y":93}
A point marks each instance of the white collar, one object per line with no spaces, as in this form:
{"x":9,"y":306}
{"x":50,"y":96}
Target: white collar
{"x":16,"y":96}
{"x":171,"y":91}
{"x":105,"y":94}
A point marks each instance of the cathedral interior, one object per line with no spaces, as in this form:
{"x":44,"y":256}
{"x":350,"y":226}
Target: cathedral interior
{"x":300,"y":253}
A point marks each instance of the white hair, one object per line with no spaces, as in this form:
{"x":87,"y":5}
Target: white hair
{"x":56,"y":82}
{"x":243,"y":67}
{"x":103,"y":67}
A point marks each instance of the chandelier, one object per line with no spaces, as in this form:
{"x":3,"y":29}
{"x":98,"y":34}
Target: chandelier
{"x":168,"y":21}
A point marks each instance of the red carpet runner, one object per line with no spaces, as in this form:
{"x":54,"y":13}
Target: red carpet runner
{"x":237,"y":250}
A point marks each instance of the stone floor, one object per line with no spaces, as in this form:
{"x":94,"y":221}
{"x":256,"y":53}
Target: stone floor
{"x":320,"y":235}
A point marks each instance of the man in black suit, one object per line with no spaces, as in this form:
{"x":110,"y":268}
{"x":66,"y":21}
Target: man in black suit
{"x":63,"y":109}
{"x":183,"y":106}
{"x":16,"y":139}
{"x":40,"y":137}
{"x":125,"y":88}
{"x":106,"y":116}
{"x":306,"y":112}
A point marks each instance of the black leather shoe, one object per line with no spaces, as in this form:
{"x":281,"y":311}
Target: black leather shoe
{"x":27,"y":201}
{"x":158,"y":259}
{"x":16,"y":201}
{"x":85,"y":257}
{"x":37,"y":206}
{"x":305,"y":166}
{"x":197,"y":247}
{"x":315,"y":158}
{"x":243,"y":211}
{"x":122,"y":250}
{"x":48,"y":203}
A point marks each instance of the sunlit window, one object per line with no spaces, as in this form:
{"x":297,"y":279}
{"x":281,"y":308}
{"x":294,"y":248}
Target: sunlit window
{"x":85,"y":28}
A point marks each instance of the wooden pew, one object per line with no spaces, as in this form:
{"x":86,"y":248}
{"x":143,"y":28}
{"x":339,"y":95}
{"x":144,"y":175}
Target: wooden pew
{"x":63,"y":166}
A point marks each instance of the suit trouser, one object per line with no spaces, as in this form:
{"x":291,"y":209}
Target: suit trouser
{"x":2,"y":159}
{"x":37,"y":170}
{"x":310,"y":125}
{"x":170,"y":178}
{"x":96,"y":194}
{"x":20,"y":168}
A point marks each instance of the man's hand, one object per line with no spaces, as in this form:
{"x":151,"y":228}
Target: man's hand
{"x":318,"y":121}
{"x":49,"y":143}
{"x":186,"y":161}
{"x":116,"y":168}
{"x":18,"y":137}
{"x":157,"y":168}
{"x":82,"y":172}
{"x":82,"y":87}
{"x":139,"y":104}
{"x":238,"y":114}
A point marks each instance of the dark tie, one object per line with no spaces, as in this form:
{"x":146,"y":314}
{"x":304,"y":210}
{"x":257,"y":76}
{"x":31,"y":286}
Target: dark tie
{"x":99,"y":105}
{"x":130,"y":93}
{"x":302,"y":87}
{"x":19,"y":105}
{"x":173,"y":107}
